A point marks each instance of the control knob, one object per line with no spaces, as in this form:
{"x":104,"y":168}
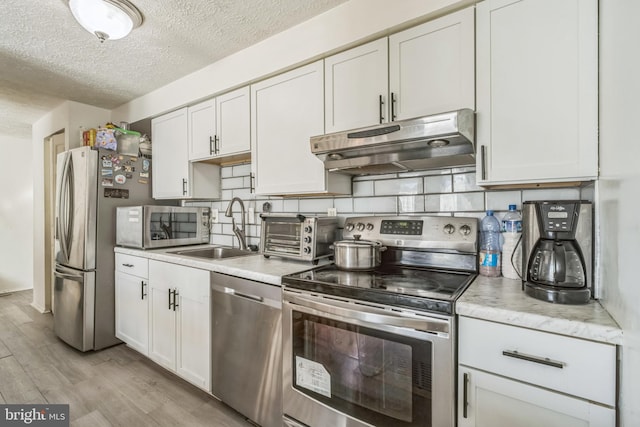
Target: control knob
{"x":369,"y":226}
{"x":349,"y":227}
{"x":465,"y":230}
{"x":449,"y":229}
{"x":307,"y":229}
{"x":360,"y":226}
{"x":307,"y":250}
{"x":307,"y":239}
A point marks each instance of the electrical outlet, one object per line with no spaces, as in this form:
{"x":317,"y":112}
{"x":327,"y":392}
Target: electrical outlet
{"x":332,"y":212}
{"x":214,"y":215}
{"x":252,"y":215}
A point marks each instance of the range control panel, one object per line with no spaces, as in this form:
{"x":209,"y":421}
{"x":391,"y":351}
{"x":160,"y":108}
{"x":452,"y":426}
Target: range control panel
{"x":427,"y":232}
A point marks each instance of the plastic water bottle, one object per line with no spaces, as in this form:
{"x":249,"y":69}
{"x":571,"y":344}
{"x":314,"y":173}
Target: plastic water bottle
{"x":511,"y":249}
{"x":490,"y":245}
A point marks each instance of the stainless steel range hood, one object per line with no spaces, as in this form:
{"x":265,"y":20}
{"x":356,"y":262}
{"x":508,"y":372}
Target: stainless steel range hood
{"x":430,"y":142}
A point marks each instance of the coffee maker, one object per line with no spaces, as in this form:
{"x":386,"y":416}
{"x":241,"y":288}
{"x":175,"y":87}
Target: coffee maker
{"x":557,"y":250}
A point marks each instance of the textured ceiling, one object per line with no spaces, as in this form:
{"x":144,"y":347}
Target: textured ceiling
{"x":47,"y":57}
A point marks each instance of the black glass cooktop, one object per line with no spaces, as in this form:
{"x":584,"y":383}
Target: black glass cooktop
{"x":418,"y":288}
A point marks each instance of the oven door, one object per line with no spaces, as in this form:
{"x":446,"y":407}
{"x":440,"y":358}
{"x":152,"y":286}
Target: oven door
{"x":350,"y":364}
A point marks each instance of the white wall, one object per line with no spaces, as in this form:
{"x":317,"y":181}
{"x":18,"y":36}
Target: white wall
{"x":16,"y":212}
{"x":618,"y":190}
{"x":346,"y":25}
{"x":68,"y":116}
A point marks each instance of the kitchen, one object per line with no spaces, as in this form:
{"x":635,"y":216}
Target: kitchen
{"x":379,"y":194}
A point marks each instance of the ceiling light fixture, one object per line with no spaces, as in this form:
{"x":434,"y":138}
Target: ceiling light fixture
{"x":107,"y":19}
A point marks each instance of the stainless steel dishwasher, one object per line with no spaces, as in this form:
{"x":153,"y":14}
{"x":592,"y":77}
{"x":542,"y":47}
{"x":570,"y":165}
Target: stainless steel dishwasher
{"x":246,"y":347}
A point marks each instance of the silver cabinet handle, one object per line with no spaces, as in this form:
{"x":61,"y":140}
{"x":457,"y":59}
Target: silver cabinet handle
{"x":535,"y":359}
{"x":184,"y":187}
{"x":142,"y":292}
{"x":465,"y":392}
{"x":211,"y":151}
{"x":483,"y":161}
{"x":216,"y":140}
{"x":381,"y":102}
{"x":175,"y":299}
{"x":393,"y":107}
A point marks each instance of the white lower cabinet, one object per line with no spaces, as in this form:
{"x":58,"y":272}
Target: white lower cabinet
{"x":492,"y":400}
{"x":132,"y":302}
{"x":517,"y":377}
{"x":179,"y":321}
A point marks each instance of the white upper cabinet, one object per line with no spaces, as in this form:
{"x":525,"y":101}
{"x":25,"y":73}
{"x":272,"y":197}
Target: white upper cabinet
{"x":427,"y":69}
{"x":537,"y":115}
{"x":357,"y":87}
{"x":234,"y":123}
{"x":202,"y":130}
{"x":286,"y":111}
{"x":431,"y":67}
{"x":173,"y":175}
{"x":220,"y":127}
{"x":170,"y":167}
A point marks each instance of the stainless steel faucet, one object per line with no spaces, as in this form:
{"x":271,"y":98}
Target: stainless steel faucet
{"x":240,"y":234}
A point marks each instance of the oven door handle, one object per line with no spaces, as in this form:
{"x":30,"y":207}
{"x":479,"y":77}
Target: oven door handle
{"x":372,"y":315}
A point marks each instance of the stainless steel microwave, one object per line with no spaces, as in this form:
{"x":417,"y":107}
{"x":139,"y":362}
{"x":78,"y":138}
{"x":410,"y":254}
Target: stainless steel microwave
{"x":149,"y":226}
{"x":294,"y":236}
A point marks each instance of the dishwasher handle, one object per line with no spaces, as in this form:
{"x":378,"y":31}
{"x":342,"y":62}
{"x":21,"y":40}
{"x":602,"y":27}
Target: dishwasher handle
{"x":245,"y":295}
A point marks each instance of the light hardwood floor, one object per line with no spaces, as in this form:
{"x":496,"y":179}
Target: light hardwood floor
{"x":113,"y":387}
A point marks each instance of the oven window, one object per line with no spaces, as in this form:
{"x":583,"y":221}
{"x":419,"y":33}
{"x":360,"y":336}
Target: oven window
{"x":377,"y":377}
{"x":172,"y":225}
{"x":283,"y":236}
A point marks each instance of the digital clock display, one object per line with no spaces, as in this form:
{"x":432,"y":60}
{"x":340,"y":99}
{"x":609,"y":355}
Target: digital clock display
{"x":558,"y":215}
{"x":406,"y":227}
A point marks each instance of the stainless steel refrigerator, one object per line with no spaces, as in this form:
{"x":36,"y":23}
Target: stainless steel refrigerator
{"x":90,"y":185}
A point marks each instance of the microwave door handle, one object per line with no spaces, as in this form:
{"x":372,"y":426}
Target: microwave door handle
{"x":372,"y":316}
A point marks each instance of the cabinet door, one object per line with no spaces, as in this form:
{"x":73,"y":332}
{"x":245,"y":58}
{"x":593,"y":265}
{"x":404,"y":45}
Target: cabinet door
{"x":132,"y":311}
{"x":202,"y":130}
{"x":194,"y":328}
{"x":356,"y":87}
{"x":492,"y":400}
{"x":170,"y":171}
{"x":286,"y":111}
{"x":431,"y":67}
{"x":537,"y":63}
{"x":233,"y":120}
{"x":162,"y":316}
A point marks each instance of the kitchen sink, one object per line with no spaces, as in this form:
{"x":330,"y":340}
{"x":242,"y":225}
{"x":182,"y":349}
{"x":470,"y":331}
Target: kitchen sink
{"x":214,"y":253}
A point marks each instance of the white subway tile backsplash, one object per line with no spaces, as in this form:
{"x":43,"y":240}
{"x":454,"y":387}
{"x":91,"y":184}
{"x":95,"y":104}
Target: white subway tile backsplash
{"x":398,"y":186}
{"x":226,"y":172}
{"x":443,"y":192}
{"x":343,"y":205}
{"x":241,"y":170}
{"x":410,"y":204}
{"x":288,"y":205}
{"x":500,"y":200}
{"x":233,"y":183}
{"x":551,"y":194}
{"x":437,"y":184}
{"x":465,"y":182}
{"x":455,"y":202}
{"x":310,"y":206}
{"x":362,"y":188}
{"x":378,"y":205}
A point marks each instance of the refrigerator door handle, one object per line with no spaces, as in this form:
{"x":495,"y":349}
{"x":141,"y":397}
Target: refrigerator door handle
{"x":64,"y":221}
{"x":74,"y":277}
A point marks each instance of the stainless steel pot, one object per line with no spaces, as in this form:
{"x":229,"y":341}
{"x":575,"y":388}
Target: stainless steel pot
{"x":357,"y":254}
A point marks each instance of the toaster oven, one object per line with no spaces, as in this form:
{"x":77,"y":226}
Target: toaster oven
{"x":295,"y":236}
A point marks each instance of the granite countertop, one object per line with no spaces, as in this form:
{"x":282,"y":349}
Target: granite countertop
{"x":253,"y":267}
{"x":502,"y":300}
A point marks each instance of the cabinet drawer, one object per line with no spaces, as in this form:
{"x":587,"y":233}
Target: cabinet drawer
{"x":134,"y":265}
{"x":578,"y":367}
